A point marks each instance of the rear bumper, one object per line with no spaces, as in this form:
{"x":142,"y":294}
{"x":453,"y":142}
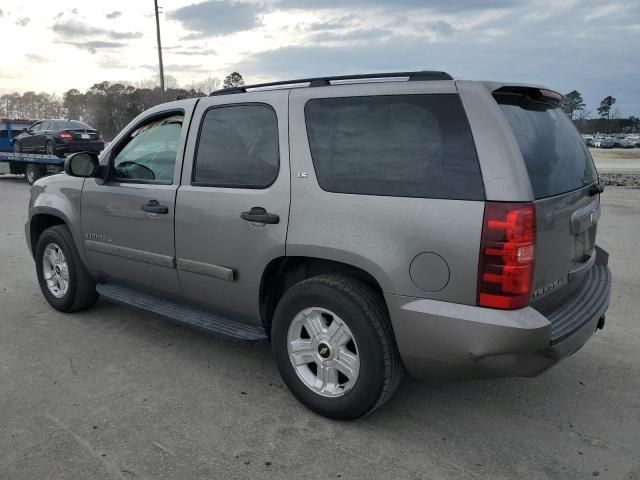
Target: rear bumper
{"x":453,"y":341}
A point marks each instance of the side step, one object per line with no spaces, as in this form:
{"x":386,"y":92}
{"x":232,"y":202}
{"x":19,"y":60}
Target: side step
{"x":185,"y":315}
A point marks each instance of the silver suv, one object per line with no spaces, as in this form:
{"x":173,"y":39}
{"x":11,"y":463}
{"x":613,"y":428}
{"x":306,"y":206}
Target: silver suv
{"x":363,"y":225}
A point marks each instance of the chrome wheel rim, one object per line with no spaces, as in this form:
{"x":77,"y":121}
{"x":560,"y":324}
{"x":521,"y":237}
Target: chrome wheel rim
{"x":31,"y":175}
{"x":55,"y":270}
{"x":323,"y":352}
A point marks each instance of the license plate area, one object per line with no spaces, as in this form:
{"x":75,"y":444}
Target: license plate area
{"x":85,"y":136}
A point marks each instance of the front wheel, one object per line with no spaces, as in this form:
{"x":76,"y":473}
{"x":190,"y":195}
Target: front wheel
{"x":16,"y":147}
{"x":335,"y":348}
{"x":63,"y":278}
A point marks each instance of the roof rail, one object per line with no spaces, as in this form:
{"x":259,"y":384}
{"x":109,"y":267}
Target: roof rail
{"x":326,"y":81}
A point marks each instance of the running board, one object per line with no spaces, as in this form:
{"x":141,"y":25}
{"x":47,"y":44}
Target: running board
{"x":184,"y":315}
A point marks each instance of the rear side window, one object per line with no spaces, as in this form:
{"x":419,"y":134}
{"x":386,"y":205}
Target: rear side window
{"x":394,"y":145}
{"x":238,"y":147}
{"x":556,"y":158}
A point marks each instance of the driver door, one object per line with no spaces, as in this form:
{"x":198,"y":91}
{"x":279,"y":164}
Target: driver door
{"x":128,"y":218}
{"x":28,"y":141}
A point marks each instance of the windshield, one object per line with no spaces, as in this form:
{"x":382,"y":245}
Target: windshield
{"x":556,"y":157}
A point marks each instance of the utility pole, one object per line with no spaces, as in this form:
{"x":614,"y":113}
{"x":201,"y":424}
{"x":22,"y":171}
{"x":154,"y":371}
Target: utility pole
{"x":159,"y":52}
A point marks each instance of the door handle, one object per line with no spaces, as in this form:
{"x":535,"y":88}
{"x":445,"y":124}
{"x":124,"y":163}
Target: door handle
{"x":154,"y":207}
{"x":259,"y":215}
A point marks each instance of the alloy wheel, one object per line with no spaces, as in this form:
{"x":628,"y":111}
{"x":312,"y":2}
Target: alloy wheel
{"x":323,"y":352}
{"x":55,"y":270}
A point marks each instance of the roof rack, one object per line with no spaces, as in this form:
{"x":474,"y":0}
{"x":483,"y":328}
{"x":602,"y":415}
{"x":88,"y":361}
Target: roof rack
{"x":425,"y":75}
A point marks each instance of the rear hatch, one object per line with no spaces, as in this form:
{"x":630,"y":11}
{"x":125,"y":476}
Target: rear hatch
{"x":565,"y":186}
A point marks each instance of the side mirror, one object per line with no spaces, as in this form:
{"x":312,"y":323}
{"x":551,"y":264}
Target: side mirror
{"x":82,"y":164}
{"x":24,"y":130}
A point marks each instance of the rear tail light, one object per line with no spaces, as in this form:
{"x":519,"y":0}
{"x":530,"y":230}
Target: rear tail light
{"x":65,"y":136}
{"x":507,"y":255}
{"x":100,"y":139}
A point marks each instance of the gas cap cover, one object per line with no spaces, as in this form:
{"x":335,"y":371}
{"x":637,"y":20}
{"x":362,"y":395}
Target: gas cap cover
{"x":429,"y":272}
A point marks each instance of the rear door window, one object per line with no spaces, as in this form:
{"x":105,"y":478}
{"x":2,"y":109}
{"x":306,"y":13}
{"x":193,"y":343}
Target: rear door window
{"x":238,"y":147}
{"x":557,"y":159}
{"x":394,"y":145}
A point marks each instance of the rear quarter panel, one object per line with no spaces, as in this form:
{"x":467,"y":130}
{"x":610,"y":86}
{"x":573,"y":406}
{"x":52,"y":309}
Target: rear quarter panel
{"x":381,"y":235}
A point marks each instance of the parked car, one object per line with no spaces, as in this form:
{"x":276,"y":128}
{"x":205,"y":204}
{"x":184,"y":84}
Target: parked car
{"x":439,"y":226}
{"x":630,"y":141}
{"x":588,"y":140}
{"x":604,"y":142}
{"x":59,"y":137}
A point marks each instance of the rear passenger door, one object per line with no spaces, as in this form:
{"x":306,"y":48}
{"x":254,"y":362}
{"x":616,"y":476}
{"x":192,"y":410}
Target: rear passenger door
{"x":41,"y":136}
{"x":232,"y":208}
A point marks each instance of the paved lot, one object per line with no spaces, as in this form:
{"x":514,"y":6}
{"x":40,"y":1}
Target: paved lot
{"x":113,"y":393}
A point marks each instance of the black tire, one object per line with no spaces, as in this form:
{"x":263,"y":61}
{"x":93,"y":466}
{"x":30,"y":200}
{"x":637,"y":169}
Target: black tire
{"x":17,"y":148}
{"x":50,"y":148}
{"x":365,"y":313}
{"x":33,"y":172}
{"x":81,"y":292}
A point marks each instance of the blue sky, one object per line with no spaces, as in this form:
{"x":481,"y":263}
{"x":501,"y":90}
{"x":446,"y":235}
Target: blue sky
{"x":588,"y":45}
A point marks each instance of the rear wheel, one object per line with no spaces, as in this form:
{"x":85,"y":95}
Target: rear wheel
{"x":33,"y":172}
{"x":334,"y":346}
{"x":63,"y":278}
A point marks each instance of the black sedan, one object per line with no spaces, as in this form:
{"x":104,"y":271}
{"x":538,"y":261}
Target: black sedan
{"x":57,"y":137}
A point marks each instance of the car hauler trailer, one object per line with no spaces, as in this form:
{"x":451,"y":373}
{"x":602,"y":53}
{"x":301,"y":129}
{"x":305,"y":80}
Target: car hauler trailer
{"x":31,"y":165}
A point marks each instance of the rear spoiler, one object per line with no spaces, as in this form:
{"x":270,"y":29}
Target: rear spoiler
{"x":535,"y":94}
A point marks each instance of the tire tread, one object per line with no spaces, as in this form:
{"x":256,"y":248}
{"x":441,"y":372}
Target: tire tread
{"x":85,"y":294}
{"x":375,"y":309}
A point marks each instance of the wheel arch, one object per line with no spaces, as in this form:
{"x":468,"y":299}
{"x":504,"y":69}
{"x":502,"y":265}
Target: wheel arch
{"x":284,"y":272}
{"x":39,"y":222}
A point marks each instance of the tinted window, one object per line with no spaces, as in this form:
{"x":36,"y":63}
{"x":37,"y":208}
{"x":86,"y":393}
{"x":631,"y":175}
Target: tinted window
{"x":238,"y":147}
{"x":400,"y":145}
{"x":66,"y":124}
{"x":150,"y":153}
{"x":45,"y":125}
{"x":555,"y":155}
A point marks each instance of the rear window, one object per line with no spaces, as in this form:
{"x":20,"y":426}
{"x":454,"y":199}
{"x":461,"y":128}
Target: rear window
{"x":556,"y":158}
{"x":62,"y":124}
{"x":395,"y":145}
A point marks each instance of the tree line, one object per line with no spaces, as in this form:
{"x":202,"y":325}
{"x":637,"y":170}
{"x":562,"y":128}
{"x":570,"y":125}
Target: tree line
{"x":608,"y":120}
{"x":107,"y":106}
{"x":110,"y":106}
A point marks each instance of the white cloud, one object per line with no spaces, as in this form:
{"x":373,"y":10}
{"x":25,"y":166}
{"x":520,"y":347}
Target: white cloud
{"x":577,"y":44}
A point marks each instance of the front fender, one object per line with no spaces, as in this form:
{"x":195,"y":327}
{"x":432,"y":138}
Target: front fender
{"x":57,"y":196}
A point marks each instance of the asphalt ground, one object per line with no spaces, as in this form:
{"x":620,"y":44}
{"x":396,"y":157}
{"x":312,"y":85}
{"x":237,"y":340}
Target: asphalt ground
{"x":113,"y":393}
